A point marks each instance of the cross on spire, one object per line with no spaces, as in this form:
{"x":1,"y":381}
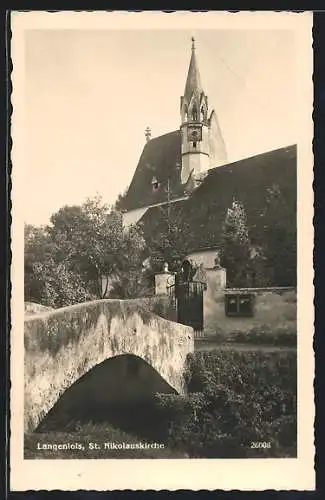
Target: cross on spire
{"x":147,"y":134}
{"x":193,"y":43}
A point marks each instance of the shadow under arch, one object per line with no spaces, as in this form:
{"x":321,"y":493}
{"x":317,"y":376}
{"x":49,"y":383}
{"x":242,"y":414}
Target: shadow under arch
{"x":119,"y":391}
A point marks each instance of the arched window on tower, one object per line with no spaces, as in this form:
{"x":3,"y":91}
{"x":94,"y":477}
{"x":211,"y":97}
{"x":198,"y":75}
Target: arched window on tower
{"x":194,"y":113}
{"x":202,"y":114}
{"x":185,"y":113}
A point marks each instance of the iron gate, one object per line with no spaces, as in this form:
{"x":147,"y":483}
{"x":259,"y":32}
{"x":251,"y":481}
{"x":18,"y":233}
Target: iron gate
{"x":188,"y":298}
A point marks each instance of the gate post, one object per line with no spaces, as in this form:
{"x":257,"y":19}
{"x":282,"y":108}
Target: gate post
{"x":217,"y":279}
{"x":163,"y":281}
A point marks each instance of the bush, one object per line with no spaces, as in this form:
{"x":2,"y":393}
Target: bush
{"x":235,"y":399}
{"x":266,"y":335}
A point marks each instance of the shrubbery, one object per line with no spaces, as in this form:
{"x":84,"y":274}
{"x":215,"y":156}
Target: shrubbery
{"x":66,"y":261}
{"x":235,"y":399}
{"x":267,"y":335}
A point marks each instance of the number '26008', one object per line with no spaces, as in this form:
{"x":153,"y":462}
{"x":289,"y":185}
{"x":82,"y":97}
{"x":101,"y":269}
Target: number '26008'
{"x":260,"y":444}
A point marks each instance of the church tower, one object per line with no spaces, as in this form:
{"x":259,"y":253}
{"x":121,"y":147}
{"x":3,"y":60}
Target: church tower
{"x":202,"y":144}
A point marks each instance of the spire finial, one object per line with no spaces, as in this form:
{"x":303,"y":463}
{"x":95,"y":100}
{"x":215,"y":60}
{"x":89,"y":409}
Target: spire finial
{"x":193,"y":43}
{"x":147,"y":134}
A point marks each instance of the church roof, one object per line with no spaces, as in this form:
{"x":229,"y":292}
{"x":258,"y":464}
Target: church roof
{"x":248,"y":181}
{"x":193,"y":81}
{"x":160,"y":160}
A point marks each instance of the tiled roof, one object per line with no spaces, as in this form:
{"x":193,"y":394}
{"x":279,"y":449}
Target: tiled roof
{"x":248,"y":181}
{"x":160,"y":160}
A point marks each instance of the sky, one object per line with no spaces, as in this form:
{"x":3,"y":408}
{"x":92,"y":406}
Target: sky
{"x":89,"y":95}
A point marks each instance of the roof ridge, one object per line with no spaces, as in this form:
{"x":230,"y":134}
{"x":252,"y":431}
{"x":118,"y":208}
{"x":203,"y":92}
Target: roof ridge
{"x":246,"y":158}
{"x":163,"y":135}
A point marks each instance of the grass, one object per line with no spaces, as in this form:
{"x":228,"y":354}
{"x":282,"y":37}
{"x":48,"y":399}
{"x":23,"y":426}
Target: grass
{"x":263,"y":335}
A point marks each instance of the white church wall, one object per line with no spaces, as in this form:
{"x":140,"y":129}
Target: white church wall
{"x":205,"y":257}
{"x":273,"y":308}
{"x":133,"y":216}
{"x":218,"y":153}
{"x":197,"y":162}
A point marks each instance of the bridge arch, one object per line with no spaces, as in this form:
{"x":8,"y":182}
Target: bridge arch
{"x":63,"y":345}
{"x":119,"y":391}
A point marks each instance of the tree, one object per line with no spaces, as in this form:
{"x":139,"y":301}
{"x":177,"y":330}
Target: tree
{"x":235,"y":248}
{"x":96,"y":243}
{"x":37,"y":248}
{"x":280,"y":238}
{"x":168,"y":241}
{"x":49,"y":280}
{"x":120,"y":199}
{"x":131,"y":279}
{"x":66,"y":261}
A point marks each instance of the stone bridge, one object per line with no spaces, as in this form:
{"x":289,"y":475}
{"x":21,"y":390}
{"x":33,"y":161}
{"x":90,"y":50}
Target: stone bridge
{"x":62,"y":346}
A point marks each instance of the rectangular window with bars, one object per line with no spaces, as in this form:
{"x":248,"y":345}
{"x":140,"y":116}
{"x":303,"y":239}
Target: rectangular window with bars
{"x":239,"y":305}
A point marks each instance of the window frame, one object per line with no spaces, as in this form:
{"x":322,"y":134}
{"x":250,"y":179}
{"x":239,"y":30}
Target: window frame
{"x":239,"y":313}
{"x":155,"y":184}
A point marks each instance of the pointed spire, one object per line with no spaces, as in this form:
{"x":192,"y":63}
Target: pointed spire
{"x":193,"y":81}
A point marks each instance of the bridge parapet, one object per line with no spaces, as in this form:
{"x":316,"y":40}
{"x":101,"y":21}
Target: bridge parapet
{"x":63,"y":345}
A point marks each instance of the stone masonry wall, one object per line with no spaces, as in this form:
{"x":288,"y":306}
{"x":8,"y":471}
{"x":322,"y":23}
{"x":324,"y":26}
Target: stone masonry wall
{"x":63,"y":345}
